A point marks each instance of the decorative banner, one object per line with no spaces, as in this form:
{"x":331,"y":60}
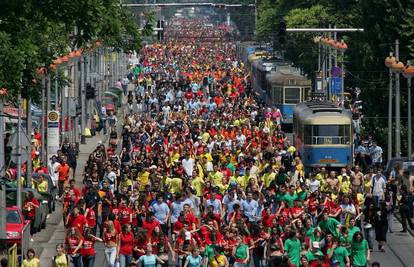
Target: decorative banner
{"x":52,"y":132}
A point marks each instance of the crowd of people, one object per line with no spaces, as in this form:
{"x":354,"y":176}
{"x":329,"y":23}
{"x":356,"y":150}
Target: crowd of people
{"x":202,"y":174}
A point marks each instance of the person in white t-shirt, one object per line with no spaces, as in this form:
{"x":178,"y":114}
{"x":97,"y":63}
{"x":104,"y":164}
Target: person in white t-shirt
{"x":188,"y":164}
{"x":53,"y":167}
{"x":376,"y":155}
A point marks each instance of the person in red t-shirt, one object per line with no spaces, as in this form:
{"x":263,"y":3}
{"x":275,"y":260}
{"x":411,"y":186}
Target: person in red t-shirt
{"x":150,"y":223}
{"x":30,"y":205}
{"x":125,"y":213}
{"x":110,"y":238}
{"x":74,"y":242}
{"x":161,"y":245}
{"x":90,"y":216}
{"x":125,"y":245}
{"x":297,"y":210}
{"x":88,"y":248}
{"x":75,"y":219}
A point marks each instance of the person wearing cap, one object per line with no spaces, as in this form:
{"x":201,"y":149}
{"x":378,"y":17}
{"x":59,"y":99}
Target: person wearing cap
{"x":315,"y":255}
{"x":36,"y":160}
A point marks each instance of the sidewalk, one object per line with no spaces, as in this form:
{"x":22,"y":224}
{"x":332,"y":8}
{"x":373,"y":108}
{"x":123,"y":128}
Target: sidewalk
{"x":399,"y":248}
{"x":45,"y":242}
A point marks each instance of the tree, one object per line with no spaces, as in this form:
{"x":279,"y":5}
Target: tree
{"x":34,"y":32}
{"x":383,"y":21}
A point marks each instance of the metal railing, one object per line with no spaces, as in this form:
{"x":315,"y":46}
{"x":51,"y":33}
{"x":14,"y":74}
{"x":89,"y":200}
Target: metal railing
{"x":25,"y":240}
{"x":327,"y":140}
{"x":12,"y":256}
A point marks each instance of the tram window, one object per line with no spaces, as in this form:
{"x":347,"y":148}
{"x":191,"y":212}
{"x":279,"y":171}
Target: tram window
{"x":277,"y":94}
{"x":327,"y":134}
{"x":306,"y":94}
{"x":292,"y":95}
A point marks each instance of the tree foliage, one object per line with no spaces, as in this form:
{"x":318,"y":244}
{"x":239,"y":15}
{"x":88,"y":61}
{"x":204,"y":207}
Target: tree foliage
{"x":383,"y":21}
{"x":34,"y":32}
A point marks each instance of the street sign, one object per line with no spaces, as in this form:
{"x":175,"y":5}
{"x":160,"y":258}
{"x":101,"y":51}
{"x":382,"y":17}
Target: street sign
{"x":336,"y":85}
{"x":72,"y":107}
{"x":52,"y":132}
{"x":25,"y":143}
{"x":336,"y":72}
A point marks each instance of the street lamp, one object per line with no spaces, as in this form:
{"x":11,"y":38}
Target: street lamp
{"x":397,"y":67}
{"x":409,"y":73}
{"x":388,"y":63}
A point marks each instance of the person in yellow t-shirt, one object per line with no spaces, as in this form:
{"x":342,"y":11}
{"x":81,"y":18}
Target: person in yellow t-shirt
{"x":143,"y":179}
{"x":42,"y":184}
{"x":268,"y":177}
{"x":197,"y":183}
{"x":205,"y":136}
{"x":31,"y":260}
{"x":345,"y":185}
{"x":174,"y":184}
{"x":219,"y":260}
{"x":125,"y":182}
{"x":241,"y":180}
{"x":216,"y":176}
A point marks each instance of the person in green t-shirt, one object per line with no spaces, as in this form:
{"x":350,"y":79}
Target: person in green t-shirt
{"x":338,"y":254}
{"x":290,"y":196}
{"x":293,"y":247}
{"x":241,"y":253}
{"x":352,"y":229}
{"x":329,"y":225}
{"x":360,"y":253}
{"x":315,"y":255}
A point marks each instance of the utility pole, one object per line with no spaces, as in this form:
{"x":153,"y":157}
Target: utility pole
{"x":409,"y":120}
{"x":56,"y":107}
{"x":83,"y":97}
{"x":329,"y":67}
{"x":19,"y":152}
{"x":43,"y":147}
{"x":2,"y":151}
{"x":389,"y":155}
{"x":408,"y":74}
{"x":29,"y":167}
{"x":397,"y":105}
{"x":63,"y":93}
{"x":2,"y":172}
{"x":255,"y":16}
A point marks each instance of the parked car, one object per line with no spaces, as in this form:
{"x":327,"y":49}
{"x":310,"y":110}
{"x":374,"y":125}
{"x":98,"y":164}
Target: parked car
{"x":15,"y":226}
{"x":406,"y":164}
{"x":41,"y":212}
{"x":52,"y":191}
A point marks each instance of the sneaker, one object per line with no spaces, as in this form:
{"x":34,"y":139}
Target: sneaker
{"x":31,"y":239}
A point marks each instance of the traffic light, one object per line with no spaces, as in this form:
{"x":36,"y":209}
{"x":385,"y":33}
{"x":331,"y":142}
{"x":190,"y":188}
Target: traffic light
{"x":90,"y":92}
{"x":282,"y":31}
{"x":160,"y":33}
